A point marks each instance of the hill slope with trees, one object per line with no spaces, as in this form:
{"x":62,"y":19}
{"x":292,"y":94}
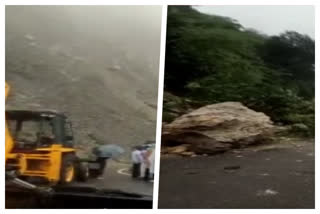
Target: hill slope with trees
{"x":212,"y":59}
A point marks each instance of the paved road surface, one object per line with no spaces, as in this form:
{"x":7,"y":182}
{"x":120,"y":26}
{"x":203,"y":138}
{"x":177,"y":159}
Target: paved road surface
{"x":117,"y":176}
{"x":267,"y":178}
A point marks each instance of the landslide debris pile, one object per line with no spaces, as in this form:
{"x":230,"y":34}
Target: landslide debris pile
{"x":216,"y":128}
{"x":85,"y":63}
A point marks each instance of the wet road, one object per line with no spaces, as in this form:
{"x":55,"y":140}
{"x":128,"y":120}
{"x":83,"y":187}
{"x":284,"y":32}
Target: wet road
{"x":264,"y":178}
{"x":117,"y":176}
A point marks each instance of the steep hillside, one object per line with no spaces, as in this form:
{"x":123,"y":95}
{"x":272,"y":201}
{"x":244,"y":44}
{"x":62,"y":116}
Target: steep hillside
{"x":212,"y":59}
{"x":98,"y":65}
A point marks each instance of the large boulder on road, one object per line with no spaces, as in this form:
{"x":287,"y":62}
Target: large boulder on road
{"x":218,"y":128}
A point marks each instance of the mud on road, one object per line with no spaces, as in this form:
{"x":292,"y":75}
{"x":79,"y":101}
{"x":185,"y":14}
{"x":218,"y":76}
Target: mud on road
{"x":270,"y":177}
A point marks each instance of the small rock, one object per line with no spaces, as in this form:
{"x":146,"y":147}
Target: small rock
{"x":236,"y":151}
{"x":178,"y":149}
{"x":267,"y":192}
{"x":231,"y":167}
{"x":264,"y":174}
{"x":191,"y":154}
{"x":115,"y":68}
{"x":29,"y":37}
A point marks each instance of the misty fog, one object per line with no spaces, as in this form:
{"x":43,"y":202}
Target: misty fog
{"x":98,"y":64}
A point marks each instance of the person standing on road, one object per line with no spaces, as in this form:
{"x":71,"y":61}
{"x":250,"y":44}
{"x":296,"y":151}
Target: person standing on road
{"x":145,"y":163}
{"x":136,"y":162}
{"x":102,"y":161}
{"x":151,"y":160}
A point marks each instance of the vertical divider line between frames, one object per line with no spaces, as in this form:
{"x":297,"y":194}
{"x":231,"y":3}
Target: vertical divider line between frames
{"x":317,"y":93}
{"x":159,"y":107}
{"x":2,"y":79}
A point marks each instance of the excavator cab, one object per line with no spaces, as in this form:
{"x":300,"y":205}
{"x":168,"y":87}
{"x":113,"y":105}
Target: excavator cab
{"x":31,"y":129}
{"x":42,"y":148}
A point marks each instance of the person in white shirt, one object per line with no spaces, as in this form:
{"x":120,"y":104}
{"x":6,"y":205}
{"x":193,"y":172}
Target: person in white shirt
{"x":151,"y":160}
{"x":137,"y":159}
{"x":144,"y":163}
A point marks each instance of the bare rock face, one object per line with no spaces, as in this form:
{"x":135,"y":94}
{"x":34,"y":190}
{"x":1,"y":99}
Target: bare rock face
{"x":218,"y":128}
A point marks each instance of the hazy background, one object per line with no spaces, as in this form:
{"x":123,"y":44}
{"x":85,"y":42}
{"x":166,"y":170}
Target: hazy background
{"x":98,"y":64}
{"x":270,"y":19}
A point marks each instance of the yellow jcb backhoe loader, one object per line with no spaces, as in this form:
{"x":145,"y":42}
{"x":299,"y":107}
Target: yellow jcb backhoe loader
{"x":39,"y":147}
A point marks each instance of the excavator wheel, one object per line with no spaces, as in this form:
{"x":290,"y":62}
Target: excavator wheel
{"x":67,"y":173}
{"x":82,"y":171}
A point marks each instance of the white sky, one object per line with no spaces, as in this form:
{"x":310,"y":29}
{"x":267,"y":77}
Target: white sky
{"x":271,"y":20}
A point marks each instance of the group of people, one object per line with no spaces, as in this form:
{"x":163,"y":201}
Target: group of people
{"x":143,"y":162}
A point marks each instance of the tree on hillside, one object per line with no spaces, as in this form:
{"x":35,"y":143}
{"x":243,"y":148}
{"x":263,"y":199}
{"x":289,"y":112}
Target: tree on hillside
{"x":212,"y":59}
{"x":293,"y":55}
{"x":191,"y":45}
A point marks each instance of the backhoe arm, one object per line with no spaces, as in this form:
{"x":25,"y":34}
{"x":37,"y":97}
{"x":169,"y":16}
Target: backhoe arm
{"x":8,"y":141}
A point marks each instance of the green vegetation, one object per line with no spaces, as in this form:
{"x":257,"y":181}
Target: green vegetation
{"x":211,"y":59}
